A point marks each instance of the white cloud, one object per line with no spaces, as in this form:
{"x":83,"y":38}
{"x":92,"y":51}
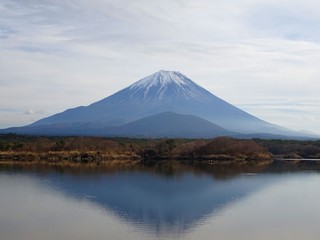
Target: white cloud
{"x":61,"y":54}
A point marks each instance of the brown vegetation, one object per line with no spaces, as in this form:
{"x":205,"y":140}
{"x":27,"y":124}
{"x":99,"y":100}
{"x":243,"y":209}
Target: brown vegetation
{"x":223,"y":147}
{"x":293,"y":149}
{"x":98,"y":149}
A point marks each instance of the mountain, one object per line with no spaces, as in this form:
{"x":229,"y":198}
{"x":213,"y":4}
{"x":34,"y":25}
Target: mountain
{"x":161,"y":92}
{"x":169,"y":124}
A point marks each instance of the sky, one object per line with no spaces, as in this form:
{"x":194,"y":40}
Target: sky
{"x":262,"y":56}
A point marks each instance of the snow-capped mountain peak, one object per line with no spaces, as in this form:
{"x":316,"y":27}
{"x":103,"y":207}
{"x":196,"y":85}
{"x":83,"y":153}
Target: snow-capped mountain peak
{"x":164,"y":85}
{"x":161,"y":78}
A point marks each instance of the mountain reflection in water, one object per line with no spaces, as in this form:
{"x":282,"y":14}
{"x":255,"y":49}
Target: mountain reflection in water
{"x":173,"y":201}
{"x":155,"y":201}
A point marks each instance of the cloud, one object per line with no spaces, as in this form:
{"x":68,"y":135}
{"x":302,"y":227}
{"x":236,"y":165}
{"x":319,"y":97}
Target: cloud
{"x":30,"y":111}
{"x":61,"y":54}
{"x":297,"y":20}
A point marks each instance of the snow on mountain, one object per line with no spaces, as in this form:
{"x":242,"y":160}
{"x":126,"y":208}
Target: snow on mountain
{"x":161,"y":78}
{"x":163,"y":82}
{"x":164,"y":86}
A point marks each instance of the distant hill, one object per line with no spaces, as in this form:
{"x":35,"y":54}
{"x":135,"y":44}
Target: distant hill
{"x":169,"y":124}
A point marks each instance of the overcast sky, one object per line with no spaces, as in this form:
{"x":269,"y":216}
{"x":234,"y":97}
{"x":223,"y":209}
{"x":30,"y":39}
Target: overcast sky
{"x":262,"y":56}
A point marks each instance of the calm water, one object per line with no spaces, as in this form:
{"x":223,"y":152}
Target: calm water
{"x":42,"y":203}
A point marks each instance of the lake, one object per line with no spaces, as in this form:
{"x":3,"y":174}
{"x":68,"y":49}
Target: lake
{"x":277,"y":201}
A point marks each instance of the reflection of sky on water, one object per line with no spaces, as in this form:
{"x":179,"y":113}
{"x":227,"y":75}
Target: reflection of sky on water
{"x":31,"y":210}
{"x":144,"y":205}
{"x":287,"y":209}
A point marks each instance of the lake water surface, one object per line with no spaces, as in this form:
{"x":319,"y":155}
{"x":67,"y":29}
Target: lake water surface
{"x":45,"y":203}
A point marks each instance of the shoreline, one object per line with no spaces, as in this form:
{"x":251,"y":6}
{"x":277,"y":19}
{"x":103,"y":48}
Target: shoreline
{"x":96,"y":158}
{"x":166,"y":168}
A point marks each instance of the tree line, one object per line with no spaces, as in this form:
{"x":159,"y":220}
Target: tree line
{"x":223,"y":148}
